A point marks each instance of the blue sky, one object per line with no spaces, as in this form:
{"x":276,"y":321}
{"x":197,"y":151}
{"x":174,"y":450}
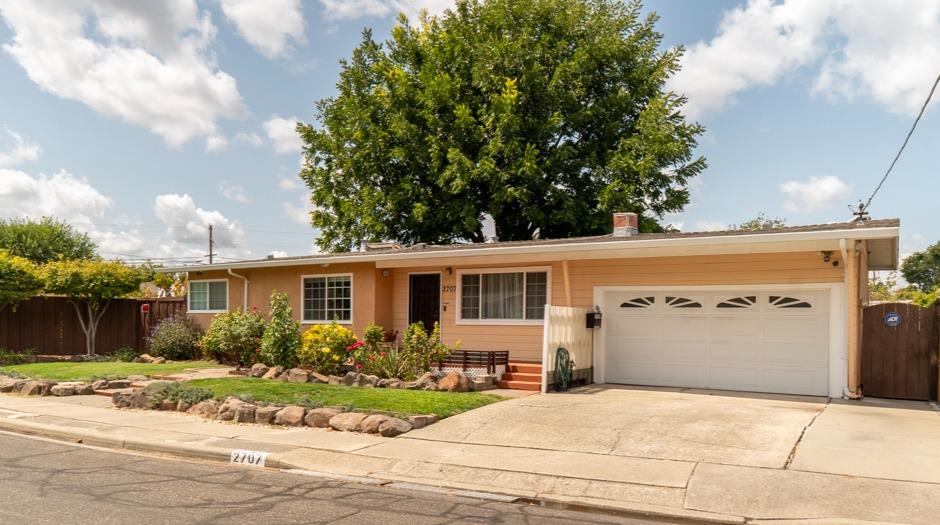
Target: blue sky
{"x":142,"y":123}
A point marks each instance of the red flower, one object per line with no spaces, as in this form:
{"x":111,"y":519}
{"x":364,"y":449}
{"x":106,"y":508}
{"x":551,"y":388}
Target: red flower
{"x":382,"y":354}
{"x":358,"y":366}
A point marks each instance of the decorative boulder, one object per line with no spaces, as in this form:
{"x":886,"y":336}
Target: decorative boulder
{"x":227,"y":409}
{"x":7,"y":385}
{"x":168,"y":405}
{"x":84,"y":390}
{"x":273,"y":372}
{"x":37,"y":388}
{"x":298,"y":375}
{"x":158,"y":360}
{"x":371,"y":424}
{"x":422,"y":383}
{"x":245,"y":413}
{"x":62,"y":390}
{"x":137,"y":378}
{"x":207,"y":409}
{"x":122,"y":399}
{"x":292,"y":416}
{"x":258,"y":370}
{"x":316,"y":377}
{"x":100,"y":384}
{"x":367,"y":381}
{"x":118,"y":383}
{"x":266,"y":415}
{"x":336,"y":380}
{"x":320,"y":417}
{"x":182,"y":406}
{"x":455,"y":382}
{"x":347,"y":421}
{"x":422,"y":421}
{"x":393,"y":426}
{"x":145,"y":358}
{"x":351,"y":378}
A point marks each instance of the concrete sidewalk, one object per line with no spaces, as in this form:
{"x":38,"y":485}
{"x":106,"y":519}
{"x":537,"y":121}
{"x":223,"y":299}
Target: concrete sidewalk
{"x":697,"y":490}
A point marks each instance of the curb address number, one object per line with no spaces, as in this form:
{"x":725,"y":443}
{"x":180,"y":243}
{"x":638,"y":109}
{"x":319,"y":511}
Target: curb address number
{"x":252,"y":458}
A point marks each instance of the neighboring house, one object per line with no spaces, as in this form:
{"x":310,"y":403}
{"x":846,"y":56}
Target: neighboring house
{"x":774,"y":310}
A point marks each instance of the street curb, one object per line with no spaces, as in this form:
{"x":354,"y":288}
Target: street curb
{"x":96,"y":438}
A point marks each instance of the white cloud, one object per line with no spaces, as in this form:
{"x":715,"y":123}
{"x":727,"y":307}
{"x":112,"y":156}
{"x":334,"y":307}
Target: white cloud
{"x":286,"y":183}
{"x":883,"y":50}
{"x":710,"y":226}
{"x":353,"y":9}
{"x":233,"y":192}
{"x":18,"y":150}
{"x":252,"y":139}
{"x":216,"y":143}
{"x":283,"y":134}
{"x":146,"y":63}
{"x":62,"y":195}
{"x":816,"y":193}
{"x":268,"y":25}
{"x":187,"y":227}
{"x":299,"y":213}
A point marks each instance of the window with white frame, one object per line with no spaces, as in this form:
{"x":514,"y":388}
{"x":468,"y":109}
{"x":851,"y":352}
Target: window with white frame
{"x":503,"y":295}
{"x":208,"y":296}
{"x":327,"y":298}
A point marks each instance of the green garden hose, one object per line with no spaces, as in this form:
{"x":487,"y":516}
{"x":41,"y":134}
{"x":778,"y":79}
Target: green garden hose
{"x":563,"y":368}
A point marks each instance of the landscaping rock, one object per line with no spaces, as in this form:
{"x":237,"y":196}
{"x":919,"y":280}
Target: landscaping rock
{"x":207,"y":409}
{"x":227,"y":409}
{"x":245,"y":413}
{"x":454,"y":382}
{"x":182,"y":406}
{"x":62,"y":390}
{"x":84,"y":390}
{"x":422,"y":383}
{"x":367,"y":381}
{"x":37,"y":388}
{"x":266,"y":415}
{"x":123,"y":399}
{"x":291,"y":416}
{"x":158,"y":360}
{"x":100,"y":384}
{"x":118,"y":383}
{"x":145,"y":358}
{"x":393,"y":426}
{"x":422,"y":421}
{"x":298,"y":375}
{"x":371,"y":424}
{"x":8,"y":384}
{"x":273,"y":372}
{"x":336,"y":380}
{"x":136,"y":378}
{"x":258,"y":370}
{"x":351,"y":378}
{"x":168,"y":405}
{"x":320,"y":417}
{"x":316,"y":377}
{"x":390,"y":383}
{"x":347,"y":421}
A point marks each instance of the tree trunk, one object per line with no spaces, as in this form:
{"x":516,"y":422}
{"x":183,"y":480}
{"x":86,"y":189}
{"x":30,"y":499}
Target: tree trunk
{"x":90,"y":326}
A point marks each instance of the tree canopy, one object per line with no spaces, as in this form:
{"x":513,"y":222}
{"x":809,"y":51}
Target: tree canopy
{"x":91,"y":285}
{"x":45,"y":240}
{"x":922,"y":269}
{"x":19,"y":279}
{"x":547,"y":115}
{"x":760,"y":222}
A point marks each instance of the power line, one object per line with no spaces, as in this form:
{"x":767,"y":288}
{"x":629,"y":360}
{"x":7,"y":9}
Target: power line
{"x":863,"y":209}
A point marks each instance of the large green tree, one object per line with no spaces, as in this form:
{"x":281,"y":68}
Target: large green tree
{"x":19,"y":280}
{"x":922,"y":269}
{"x":91,"y":285}
{"x":45,"y":240}
{"x":547,"y":115}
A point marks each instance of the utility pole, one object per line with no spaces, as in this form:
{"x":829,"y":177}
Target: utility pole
{"x":211,"y":244}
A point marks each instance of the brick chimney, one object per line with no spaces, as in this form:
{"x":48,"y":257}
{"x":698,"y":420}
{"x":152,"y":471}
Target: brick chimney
{"x":626,"y":224}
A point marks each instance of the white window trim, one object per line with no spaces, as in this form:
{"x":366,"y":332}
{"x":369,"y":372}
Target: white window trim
{"x":502,"y":322}
{"x":352,"y":302}
{"x":189,"y":295}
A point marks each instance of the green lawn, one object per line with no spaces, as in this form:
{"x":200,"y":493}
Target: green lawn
{"x":102,"y":370}
{"x":402,"y":402}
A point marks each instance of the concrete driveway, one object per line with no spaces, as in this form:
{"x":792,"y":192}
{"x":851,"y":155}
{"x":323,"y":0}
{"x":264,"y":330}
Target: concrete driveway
{"x":758,"y":430}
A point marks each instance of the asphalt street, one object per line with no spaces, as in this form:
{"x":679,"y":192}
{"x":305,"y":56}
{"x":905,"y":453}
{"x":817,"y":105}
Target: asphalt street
{"x":48,"y":482}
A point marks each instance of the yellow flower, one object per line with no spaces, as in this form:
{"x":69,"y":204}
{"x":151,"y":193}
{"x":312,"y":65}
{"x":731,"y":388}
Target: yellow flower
{"x":325,"y":349}
{"x":335,"y":357}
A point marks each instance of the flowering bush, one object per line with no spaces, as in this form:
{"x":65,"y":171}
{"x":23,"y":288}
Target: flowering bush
{"x":425,"y":350}
{"x":234,"y":337}
{"x":282,"y":336}
{"x":175,"y":338}
{"x":374,"y":355}
{"x":325,"y":348}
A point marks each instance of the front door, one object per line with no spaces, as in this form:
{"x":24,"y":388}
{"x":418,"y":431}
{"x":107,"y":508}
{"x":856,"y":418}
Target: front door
{"x":424,"y":299}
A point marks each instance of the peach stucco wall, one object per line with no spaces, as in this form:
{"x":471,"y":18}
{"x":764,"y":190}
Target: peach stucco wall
{"x":385,"y":299}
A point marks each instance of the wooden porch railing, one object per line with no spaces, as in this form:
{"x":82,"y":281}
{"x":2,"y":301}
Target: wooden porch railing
{"x":467,"y":359}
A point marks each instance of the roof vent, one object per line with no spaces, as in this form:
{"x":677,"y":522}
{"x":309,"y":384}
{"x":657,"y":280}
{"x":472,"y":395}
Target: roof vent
{"x":626,"y":224}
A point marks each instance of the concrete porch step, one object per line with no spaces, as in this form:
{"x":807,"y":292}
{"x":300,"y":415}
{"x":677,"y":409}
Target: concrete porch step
{"x":520,"y":385}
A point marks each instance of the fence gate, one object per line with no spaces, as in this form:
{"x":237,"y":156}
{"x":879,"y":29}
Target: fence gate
{"x":899,"y":348}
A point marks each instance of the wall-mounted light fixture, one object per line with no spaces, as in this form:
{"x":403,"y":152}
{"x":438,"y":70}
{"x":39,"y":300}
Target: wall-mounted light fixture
{"x":449,"y":270}
{"x":386,"y":273}
{"x":826,"y":255}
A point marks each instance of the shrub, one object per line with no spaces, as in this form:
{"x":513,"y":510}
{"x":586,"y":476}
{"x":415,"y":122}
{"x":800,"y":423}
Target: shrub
{"x":12,"y":357}
{"x":425,"y":350}
{"x":125,"y":354}
{"x":173,"y":391}
{"x":234,"y":337}
{"x":326,"y":347}
{"x":281,"y":338}
{"x":176,"y":338}
{"x":374,"y":356}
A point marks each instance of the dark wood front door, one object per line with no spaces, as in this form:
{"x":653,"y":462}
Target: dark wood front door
{"x":899,"y":351}
{"x":424,"y":299}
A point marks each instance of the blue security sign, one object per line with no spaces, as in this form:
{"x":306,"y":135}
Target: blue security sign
{"x":893,"y":319}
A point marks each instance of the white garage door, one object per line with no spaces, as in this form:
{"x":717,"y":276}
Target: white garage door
{"x":756,"y":341}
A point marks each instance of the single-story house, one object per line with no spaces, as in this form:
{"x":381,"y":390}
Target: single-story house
{"x":772,"y":310}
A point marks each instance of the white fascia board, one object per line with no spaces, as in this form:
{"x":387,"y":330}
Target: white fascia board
{"x":679,"y":243}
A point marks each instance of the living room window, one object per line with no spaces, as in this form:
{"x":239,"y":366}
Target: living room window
{"x":208,"y":296}
{"x":506,"y":295}
{"x":327,"y":298}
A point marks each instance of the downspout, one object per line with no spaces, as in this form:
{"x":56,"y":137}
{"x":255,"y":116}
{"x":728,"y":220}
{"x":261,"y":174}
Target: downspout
{"x":245,"y":294}
{"x":846,"y":393}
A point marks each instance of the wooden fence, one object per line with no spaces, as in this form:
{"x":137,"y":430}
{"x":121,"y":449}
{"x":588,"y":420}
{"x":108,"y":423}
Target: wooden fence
{"x":900,"y":349}
{"x":50,"y":326}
